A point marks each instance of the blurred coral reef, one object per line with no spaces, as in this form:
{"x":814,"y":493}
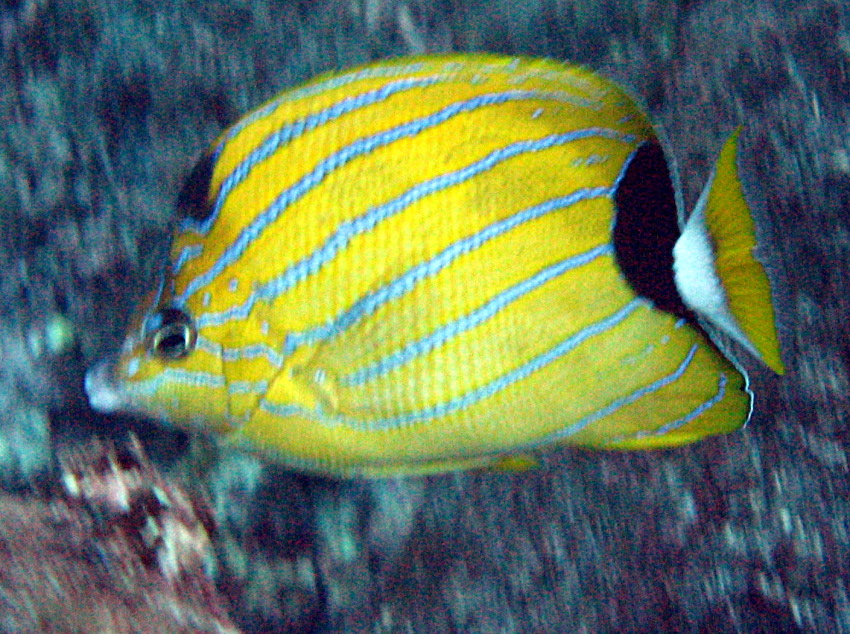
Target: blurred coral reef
{"x":119,"y":550}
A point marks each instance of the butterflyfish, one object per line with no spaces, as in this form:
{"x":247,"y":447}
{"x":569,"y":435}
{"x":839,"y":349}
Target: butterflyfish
{"x":447,"y":262}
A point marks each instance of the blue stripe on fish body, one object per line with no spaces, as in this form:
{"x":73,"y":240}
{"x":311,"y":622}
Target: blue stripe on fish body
{"x":288,"y":133}
{"x":417,"y":266}
{"x":364,"y":146}
{"x":488,"y":310}
{"x":367,"y":222}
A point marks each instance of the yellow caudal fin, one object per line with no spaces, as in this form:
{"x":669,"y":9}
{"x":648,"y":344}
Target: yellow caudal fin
{"x":716,"y":272}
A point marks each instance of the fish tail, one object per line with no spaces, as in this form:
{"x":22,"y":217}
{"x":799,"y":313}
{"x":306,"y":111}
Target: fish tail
{"x":716,"y":272}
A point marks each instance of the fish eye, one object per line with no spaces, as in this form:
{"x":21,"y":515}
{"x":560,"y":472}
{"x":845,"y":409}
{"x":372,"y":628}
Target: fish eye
{"x":173,"y":335}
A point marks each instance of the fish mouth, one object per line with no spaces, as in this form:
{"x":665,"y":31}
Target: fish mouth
{"x":104,"y":394}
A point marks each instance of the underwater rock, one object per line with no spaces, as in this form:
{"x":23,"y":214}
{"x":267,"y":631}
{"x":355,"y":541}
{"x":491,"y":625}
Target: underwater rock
{"x":120,"y":550}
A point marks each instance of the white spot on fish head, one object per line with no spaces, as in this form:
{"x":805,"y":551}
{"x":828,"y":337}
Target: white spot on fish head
{"x":536,"y":114}
{"x":233,"y":284}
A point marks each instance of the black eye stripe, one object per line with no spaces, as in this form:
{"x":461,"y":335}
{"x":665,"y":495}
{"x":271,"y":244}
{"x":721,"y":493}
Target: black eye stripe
{"x":193,"y":200}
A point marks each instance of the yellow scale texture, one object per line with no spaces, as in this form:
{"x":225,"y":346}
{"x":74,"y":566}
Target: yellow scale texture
{"x":428,"y":378}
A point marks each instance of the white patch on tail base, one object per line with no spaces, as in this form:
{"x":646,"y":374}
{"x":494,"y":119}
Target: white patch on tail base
{"x":696,"y":275}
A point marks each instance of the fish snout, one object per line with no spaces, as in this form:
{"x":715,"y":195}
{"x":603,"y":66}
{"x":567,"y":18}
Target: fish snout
{"x":104,"y":394}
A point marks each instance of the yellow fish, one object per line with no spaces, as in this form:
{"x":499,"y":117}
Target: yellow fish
{"x":447,"y":262}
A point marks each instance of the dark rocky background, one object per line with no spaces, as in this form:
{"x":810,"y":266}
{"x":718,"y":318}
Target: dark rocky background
{"x":104,"y":105}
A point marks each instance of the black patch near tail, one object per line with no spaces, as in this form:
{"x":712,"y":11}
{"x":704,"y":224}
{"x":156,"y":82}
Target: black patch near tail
{"x":192,"y":202}
{"x":646,"y":229}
